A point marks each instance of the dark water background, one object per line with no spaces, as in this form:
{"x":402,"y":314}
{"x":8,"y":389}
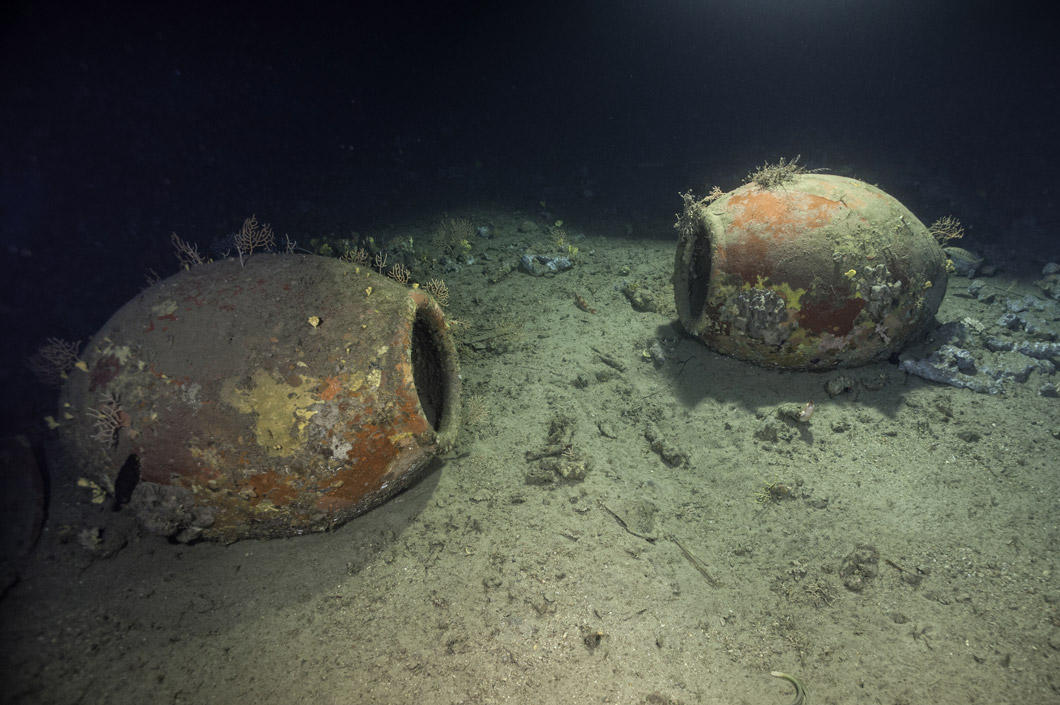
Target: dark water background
{"x":121,"y":124}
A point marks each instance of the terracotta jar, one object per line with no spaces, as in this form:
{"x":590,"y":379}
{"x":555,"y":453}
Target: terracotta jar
{"x":284,"y":396}
{"x":817,"y":272}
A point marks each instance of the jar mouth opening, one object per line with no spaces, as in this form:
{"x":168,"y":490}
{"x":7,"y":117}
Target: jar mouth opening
{"x":434,"y":371}
{"x":699,"y":267}
{"x":692,"y":276}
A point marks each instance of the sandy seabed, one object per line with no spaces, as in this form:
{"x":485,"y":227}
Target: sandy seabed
{"x":899,"y":548}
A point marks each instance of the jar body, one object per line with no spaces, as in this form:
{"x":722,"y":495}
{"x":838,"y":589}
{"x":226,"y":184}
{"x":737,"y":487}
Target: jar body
{"x":284,"y":396}
{"x":820,"y":272}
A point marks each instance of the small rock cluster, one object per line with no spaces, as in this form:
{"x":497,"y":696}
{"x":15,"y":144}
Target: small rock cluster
{"x":1021,"y":344}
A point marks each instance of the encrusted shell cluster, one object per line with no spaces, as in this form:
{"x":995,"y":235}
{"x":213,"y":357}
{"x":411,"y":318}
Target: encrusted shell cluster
{"x":839,"y":384}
